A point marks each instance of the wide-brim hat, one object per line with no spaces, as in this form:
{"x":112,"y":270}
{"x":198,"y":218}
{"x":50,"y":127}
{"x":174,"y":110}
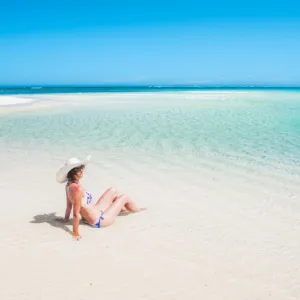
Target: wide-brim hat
{"x":71,"y":163}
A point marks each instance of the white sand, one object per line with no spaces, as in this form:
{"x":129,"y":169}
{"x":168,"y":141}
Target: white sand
{"x":14,"y":100}
{"x":13,"y":103}
{"x":198,"y":240}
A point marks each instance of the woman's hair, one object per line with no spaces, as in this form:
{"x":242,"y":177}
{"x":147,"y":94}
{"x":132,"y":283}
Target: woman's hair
{"x":73,"y":172}
{"x":71,"y":175}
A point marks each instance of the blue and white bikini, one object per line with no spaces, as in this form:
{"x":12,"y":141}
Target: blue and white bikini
{"x":87,"y":198}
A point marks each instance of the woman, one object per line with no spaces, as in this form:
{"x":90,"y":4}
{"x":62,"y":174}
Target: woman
{"x":101,"y":214}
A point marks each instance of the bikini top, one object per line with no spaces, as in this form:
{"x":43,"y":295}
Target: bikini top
{"x":86,"y":197}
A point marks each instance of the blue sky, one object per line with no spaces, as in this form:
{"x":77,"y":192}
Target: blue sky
{"x":156,"y":42}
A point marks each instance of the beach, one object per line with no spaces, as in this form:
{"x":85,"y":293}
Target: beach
{"x":217,"y":170}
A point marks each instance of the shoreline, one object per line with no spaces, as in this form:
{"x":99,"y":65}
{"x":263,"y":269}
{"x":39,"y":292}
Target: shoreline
{"x":25,"y":100}
{"x":77,"y":90}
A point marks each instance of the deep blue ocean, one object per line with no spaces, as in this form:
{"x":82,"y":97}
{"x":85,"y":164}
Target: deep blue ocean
{"x":18,"y":90}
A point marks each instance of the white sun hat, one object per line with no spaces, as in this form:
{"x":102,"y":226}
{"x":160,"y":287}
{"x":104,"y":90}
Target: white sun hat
{"x":71,"y":163}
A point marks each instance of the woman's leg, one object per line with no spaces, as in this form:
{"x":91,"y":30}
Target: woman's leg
{"x":108,"y":197}
{"x":112,"y":212}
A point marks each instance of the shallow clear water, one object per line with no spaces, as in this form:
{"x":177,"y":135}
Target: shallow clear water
{"x":248,"y":133}
{"x":269,"y":128}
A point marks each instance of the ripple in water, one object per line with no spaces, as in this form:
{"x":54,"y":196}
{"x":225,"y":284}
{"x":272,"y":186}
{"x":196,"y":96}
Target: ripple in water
{"x":233,"y":135}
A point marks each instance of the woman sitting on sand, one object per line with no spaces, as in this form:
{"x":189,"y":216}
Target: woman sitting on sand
{"x":101,"y":214}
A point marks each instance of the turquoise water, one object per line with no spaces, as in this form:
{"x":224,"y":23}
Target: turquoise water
{"x":255,"y":132}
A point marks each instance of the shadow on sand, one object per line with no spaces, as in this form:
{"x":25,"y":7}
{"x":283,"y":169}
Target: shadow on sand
{"x":52,"y":219}
{"x":124,"y":213}
{"x":55,"y":221}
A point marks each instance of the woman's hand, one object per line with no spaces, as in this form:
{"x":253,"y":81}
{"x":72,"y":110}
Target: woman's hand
{"x":61,"y":219}
{"x":76,"y":236}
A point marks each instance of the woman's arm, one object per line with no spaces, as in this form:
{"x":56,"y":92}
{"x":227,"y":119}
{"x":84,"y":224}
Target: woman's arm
{"x":67,"y":212}
{"x":77,"y":195}
{"x":69,"y":208}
